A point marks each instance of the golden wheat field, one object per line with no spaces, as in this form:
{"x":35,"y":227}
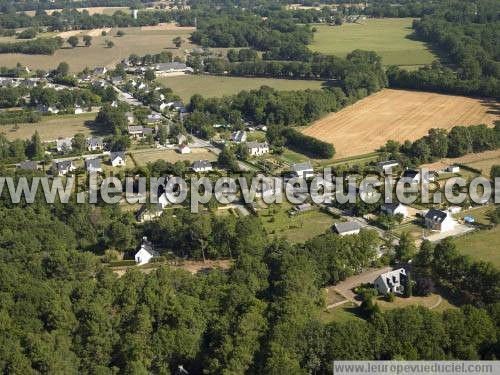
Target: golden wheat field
{"x":399,"y":115}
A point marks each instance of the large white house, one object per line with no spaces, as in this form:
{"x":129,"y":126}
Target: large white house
{"x":65,"y":144}
{"x":256,"y":148}
{"x":391,"y":282}
{"x":145,"y":253}
{"x":439,"y":220}
{"x":95,"y":144}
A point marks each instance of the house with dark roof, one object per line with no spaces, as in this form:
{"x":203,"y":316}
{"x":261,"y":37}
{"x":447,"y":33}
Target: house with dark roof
{"x":392,"y":209}
{"x":438,"y":220}
{"x":387,"y":165}
{"x":347,"y":228}
{"x":172,"y":67}
{"x":62,"y":168}
{"x":391,"y":282}
{"x":93,"y":165}
{"x":239,"y":136}
{"x":146,"y":252}
{"x":95,"y":144}
{"x":413,"y":176}
{"x":303,"y":170}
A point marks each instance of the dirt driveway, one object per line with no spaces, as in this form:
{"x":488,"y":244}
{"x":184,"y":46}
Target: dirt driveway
{"x":368,"y":276}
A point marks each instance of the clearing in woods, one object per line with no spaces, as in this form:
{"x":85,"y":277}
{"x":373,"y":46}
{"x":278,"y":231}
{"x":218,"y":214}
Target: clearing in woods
{"x":399,"y":115}
{"x":135,"y":40}
{"x":216,"y":86}
{"x":389,"y":37}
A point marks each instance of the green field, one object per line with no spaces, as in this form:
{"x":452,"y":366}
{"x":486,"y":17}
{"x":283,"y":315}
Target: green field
{"x":52,"y":127}
{"x":481,"y":245}
{"x":216,"y":86}
{"x":388,"y":37}
{"x":298,"y":228}
{"x":135,"y":40}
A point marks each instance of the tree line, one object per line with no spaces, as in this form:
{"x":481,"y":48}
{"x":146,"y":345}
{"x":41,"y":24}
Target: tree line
{"x":39,"y":46}
{"x":440,"y":143}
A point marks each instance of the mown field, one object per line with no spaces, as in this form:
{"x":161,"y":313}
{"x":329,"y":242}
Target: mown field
{"x":52,"y":127}
{"x":399,"y":115}
{"x":136,"y":40}
{"x":481,"y":245}
{"x":389,"y":37}
{"x":215,"y":86}
{"x":142,"y":157}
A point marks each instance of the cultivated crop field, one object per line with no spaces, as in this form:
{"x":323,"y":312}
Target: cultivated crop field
{"x":135,"y":40}
{"x":399,"y":115}
{"x":51,"y":128}
{"x":389,"y":37}
{"x":216,"y":86}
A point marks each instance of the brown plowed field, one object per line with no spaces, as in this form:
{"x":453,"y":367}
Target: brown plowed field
{"x":399,"y":115}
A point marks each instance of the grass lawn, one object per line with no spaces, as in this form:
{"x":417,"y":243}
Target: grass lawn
{"x":298,"y":228}
{"x":216,"y":86}
{"x":480,"y":214}
{"x":433,"y":301}
{"x":52,"y":127}
{"x":340,"y":314}
{"x":135,"y":40}
{"x":481,"y":245}
{"x":388,"y":37}
{"x":143,"y":157}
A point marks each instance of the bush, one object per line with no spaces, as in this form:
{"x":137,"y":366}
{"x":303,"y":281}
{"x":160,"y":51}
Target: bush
{"x":389,"y":297}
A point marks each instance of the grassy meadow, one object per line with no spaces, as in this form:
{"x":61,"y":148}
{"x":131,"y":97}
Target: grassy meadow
{"x":389,"y":37}
{"x":216,"y":86}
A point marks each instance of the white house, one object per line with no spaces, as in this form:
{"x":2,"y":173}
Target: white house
{"x":78,"y":110}
{"x":93,"y":165}
{"x":347,"y":228}
{"x":184,"y":149}
{"x":117,"y":159}
{"x":135,"y":131}
{"x":65,"y":144}
{"x":393,"y":209}
{"x":202,"y":166}
{"x":62,"y":168}
{"x":303,"y":170}
{"x":145,"y":253}
{"x":256,"y":148}
{"x":453,"y":169}
{"x":239,"y":136}
{"x":439,"y":220}
{"x":95,"y":144}
{"x":391,"y":282}
{"x":47,"y":109}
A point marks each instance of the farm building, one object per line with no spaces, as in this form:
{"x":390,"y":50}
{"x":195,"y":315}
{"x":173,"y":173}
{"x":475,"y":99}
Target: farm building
{"x":303,"y":170}
{"x":202,"y":166}
{"x":347,"y":228}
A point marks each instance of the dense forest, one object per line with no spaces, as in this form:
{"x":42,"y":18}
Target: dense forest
{"x":64,"y":312}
